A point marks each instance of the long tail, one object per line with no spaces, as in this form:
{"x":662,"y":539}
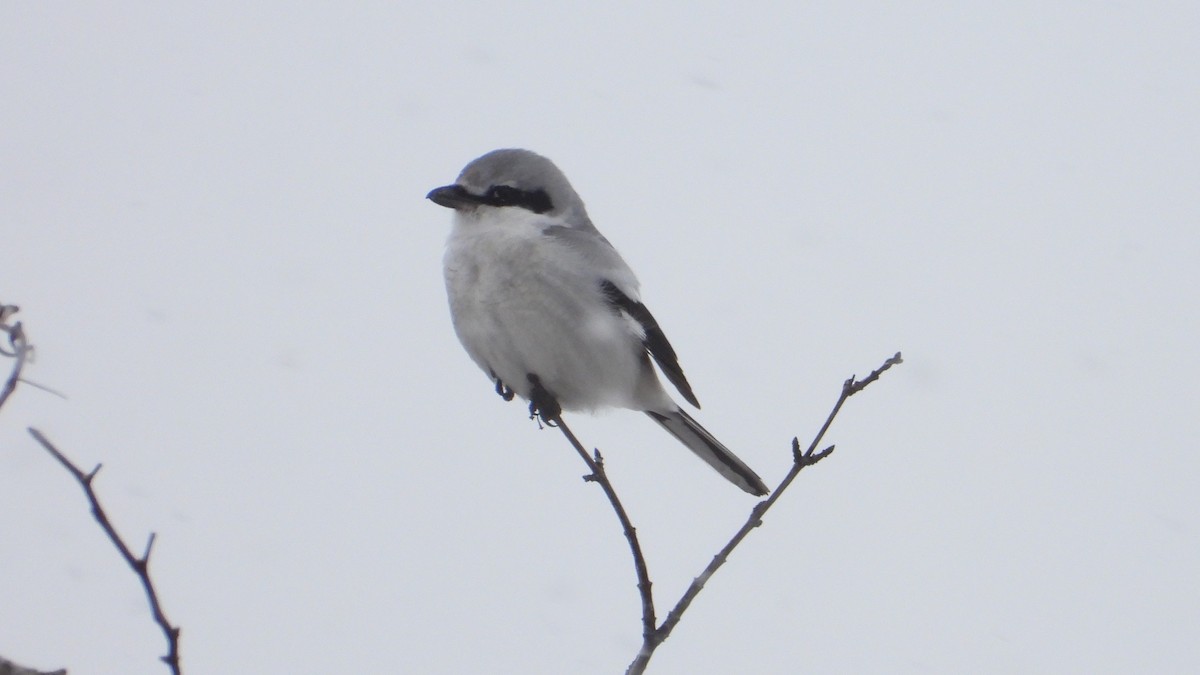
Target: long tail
{"x":689,"y":432}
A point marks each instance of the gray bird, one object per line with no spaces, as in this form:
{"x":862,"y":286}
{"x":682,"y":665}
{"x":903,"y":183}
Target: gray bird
{"x":549,"y":310}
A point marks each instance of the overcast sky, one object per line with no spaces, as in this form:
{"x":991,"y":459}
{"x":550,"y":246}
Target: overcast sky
{"x":214,"y":222}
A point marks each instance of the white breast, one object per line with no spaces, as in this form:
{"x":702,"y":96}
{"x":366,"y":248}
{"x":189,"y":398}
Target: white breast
{"x":523,"y":302}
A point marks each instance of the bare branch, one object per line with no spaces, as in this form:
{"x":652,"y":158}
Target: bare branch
{"x":800,"y":461}
{"x":20,"y":350}
{"x":598,"y":476}
{"x":140,"y":566}
{"x":857,"y":386}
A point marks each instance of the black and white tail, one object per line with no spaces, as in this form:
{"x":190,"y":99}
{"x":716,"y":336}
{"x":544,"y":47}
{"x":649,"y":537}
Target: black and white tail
{"x":689,"y":432}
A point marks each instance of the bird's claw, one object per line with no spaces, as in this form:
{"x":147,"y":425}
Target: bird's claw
{"x":542,"y":405}
{"x":504,"y":390}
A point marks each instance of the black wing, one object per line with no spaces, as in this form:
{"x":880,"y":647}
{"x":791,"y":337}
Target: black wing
{"x":654,"y":340}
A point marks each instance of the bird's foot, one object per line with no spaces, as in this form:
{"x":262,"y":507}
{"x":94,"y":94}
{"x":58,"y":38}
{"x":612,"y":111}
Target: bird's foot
{"x":505,"y":392}
{"x":543,"y":407}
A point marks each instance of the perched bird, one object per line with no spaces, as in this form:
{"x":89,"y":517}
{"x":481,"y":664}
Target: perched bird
{"x":549,"y":310}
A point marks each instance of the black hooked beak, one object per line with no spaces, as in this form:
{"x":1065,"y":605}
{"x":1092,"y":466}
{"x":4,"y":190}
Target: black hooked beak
{"x":453,"y":197}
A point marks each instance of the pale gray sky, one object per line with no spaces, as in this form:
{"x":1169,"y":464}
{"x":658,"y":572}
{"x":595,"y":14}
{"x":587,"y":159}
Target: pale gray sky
{"x":214,"y":221}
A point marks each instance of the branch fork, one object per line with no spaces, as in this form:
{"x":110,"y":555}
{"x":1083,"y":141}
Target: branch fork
{"x":654,"y":634}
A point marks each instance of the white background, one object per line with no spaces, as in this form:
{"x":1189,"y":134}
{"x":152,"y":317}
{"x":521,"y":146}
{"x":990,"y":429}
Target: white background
{"x":213,"y":218}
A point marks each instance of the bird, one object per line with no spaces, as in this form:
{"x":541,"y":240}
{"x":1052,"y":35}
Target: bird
{"x":548,"y":309}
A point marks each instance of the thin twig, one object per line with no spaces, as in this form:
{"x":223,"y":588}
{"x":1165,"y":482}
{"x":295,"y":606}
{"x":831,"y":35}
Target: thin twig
{"x":597,"y":475}
{"x":800,"y":460}
{"x":48,"y":390}
{"x":140,"y":565}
